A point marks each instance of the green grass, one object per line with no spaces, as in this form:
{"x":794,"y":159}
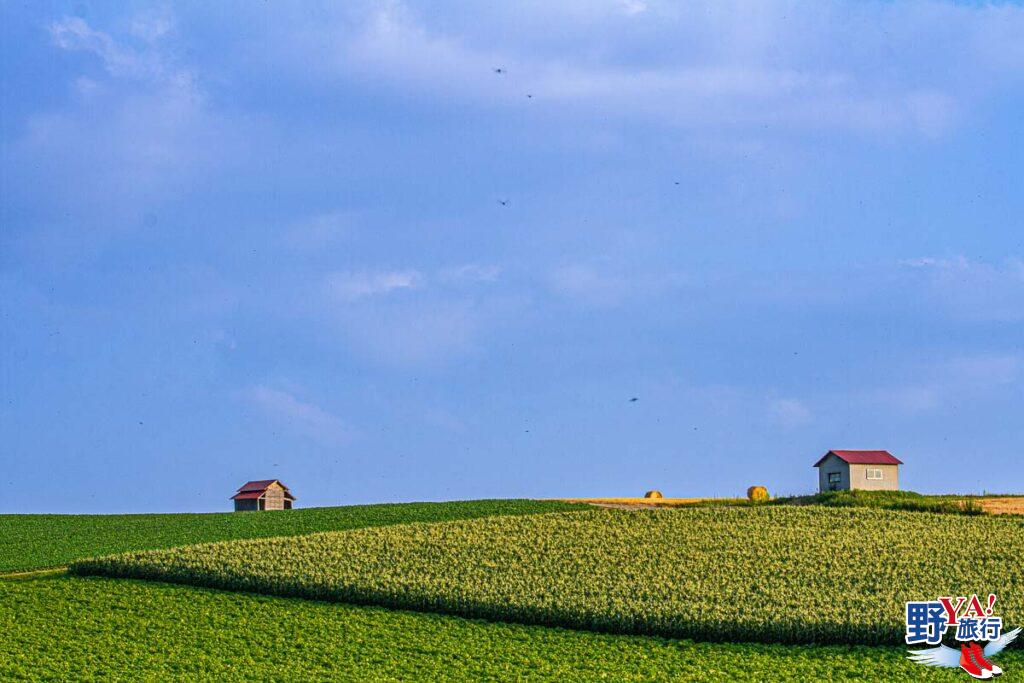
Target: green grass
{"x":36,"y":541}
{"x":66,"y":628}
{"x":764,"y":573}
{"x":888,"y":500}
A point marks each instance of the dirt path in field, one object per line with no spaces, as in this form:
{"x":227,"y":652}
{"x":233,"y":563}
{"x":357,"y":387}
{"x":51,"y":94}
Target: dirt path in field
{"x":1002,"y":506}
{"x":30,"y":574}
{"x":626,"y":506}
{"x":635,"y":503}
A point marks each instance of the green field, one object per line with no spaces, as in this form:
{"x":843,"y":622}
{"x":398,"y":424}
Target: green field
{"x":35,"y":541}
{"x":65,"y":628}
{"x":767,"y":574}
{"x":61,"y":627}
{"x":890,"y":500}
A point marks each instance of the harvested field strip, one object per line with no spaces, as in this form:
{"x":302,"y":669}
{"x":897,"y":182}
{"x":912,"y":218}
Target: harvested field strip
{"x":769,"y":574}
{"x":1009,"y":505}
{"x":636,"y":502}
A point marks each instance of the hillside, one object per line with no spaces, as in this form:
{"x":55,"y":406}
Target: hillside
{"x":769,"y":574}
{"x":37,"y":541}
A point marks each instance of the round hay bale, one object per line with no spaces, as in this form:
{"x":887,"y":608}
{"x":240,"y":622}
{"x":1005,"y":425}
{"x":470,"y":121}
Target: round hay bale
{"x":653,"y":494}
{"x":757,"y":494}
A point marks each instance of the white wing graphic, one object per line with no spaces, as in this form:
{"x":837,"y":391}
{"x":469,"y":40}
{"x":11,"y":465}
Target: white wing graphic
{"x":943,"y":656}
{"x":997,"y":646}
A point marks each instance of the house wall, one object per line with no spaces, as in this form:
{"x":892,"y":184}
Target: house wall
{"x":274,"y":497}
{"x":242,"y":505}
{"x":833,"y":464}
{"x":890,"y":480}
{"x":855,"y":477}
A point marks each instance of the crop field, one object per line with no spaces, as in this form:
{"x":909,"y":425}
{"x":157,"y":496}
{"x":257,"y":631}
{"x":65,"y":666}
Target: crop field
{"x":36,"y":541}
{"x":70,"y":628}
{"x":762,"y":573}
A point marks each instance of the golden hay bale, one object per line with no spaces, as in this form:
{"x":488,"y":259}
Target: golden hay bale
{"x":757,"y":494}
{"x":653,"y":494}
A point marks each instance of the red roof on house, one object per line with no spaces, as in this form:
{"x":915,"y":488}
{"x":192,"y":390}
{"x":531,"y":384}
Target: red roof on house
{"x":258,"y":485}
{"x":863,"y":457}
{"x":255,"y":489}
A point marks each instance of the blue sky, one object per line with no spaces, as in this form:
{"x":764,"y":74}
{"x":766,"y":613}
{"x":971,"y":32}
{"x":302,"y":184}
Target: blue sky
{"x":331,"y":244}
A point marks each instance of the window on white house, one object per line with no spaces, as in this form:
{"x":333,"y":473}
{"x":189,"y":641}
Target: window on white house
{"x":874,"y":473}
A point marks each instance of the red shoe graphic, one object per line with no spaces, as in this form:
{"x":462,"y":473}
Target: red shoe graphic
{"x":968,"y":664}
{"x":979,"y":657}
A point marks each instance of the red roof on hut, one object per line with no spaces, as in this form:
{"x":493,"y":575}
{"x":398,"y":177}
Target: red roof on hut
{"x":863,"y":457}
{"x":251,"y":490}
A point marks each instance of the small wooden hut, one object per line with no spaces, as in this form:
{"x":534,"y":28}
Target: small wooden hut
{"x":264,"y":494}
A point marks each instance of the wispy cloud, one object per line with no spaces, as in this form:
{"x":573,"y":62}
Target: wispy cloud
{"x":588,"y":285}
{"x":985,"y":370}
{"x":321,"y":230}
{"x":121,"y":60}
{"x":132,"y":134}
{"x":774,"y":65}
{"x":414,"y":318}
{"x":951,"y":381}
{"x":973,"y":289}
{"x":470,"y":272}
{"x":633,"y":7}
{"x":353,"y":286}
{"x":306,"y":419}
{"x":604,"y":284}
{"x":425,"y":334}
{"x":789,"y":412}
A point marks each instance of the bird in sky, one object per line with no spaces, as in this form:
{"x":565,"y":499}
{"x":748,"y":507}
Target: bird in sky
{"x":503,"y":202}
{"x":634,"y":399}
{"x":498,"y":70}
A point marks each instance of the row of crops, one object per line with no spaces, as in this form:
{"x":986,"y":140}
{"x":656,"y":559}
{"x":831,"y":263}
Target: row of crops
{"x":770,"y":574}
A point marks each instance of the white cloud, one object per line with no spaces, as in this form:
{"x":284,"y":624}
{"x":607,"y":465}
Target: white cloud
{"x":604,"y":284}
{"x":152,"y":26}
{"x":353,"y":286}
{"x":972,"y":289}
{"x":470,"y":272}
{"x":304,"y":418}
{"x":945,"y":262}
{"x":586,"y":284}
{"x":134,"y":133}
{"x":811,"y":65}
{"x":908,"y":399}
{"x":319,"y":231}
{"x":950,"y":381}
{"x":985,"y":370}
{"x":633,"y":7}
{"x":73,"y":33}
{"x":120,"y":60}
{"x":425,"y":333}
{"x":789,"y":412}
